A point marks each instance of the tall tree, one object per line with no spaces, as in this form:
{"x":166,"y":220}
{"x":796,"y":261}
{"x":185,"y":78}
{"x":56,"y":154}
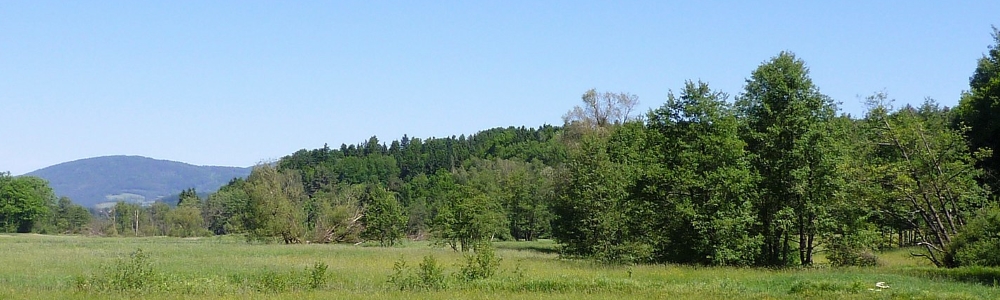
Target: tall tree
{"x":701,"y":178}
{"x":188,"y":197}
{"x":979,"y":109}
{"x":274,"y":208}
{"x":595,"y":214}
{"x":24,"y":200}
{"x":786,"y":118}
{"x":930,"y":172}
{"x":602,"y":109}
{"x":384,"y":219}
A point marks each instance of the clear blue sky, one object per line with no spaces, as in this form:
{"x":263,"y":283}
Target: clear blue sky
{"x":237,"y":82}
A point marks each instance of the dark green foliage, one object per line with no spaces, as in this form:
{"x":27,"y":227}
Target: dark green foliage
{"x":702,"y":175}
{"x":188,"y":197}
{"x":978,"y":109}
{"x":594,"y":213}
{"x":989,"y":276}
{"x":24,"y":201}
{"x":853,"y":250}
{"x":978,"y":242}
{"x":68,"y":217}
{"x":786,"y":132}
{"x":225,"y":210}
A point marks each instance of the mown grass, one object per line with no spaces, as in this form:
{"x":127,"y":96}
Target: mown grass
{"x":53,"y":267}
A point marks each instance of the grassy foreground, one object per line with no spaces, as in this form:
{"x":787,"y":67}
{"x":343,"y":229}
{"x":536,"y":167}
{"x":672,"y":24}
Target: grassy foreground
{"x":62,"y":267}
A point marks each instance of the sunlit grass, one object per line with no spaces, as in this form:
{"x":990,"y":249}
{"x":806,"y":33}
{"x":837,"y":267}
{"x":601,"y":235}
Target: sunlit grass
{"x":47,"y":267}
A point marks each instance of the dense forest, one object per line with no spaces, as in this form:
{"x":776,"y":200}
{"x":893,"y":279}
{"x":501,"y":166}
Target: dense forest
{"x":771,"y":177}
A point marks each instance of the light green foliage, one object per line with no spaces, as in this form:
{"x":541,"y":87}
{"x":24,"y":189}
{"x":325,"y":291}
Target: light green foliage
{"x":929,"y":171}
{"x":978,"y":109}
{"x":482,"y":264}
{"x":274,"y":209}
{"x":429,"y":275}
{"x":186,"y":221}
{"x":134,"y":274}
{"x":130,"y":219}
{"x":317,"y":275}
{"x":335,"y":215}
{"x":383,"y":217}
{"x":469,"y":218}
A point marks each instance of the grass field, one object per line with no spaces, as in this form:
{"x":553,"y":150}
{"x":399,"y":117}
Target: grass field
{"x":69,"y":267}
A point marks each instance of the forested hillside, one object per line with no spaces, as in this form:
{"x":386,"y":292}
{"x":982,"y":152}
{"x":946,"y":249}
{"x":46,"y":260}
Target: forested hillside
{"x":139,"y":179}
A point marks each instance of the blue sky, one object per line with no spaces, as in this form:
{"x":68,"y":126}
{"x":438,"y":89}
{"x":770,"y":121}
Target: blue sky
{"x":237,"y":82}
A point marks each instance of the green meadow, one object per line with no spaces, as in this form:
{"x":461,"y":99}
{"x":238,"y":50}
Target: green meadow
{"x":74,"y":267}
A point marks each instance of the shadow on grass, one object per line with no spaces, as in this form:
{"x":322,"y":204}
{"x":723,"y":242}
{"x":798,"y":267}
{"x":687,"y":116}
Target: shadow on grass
{"x":979,"y":275}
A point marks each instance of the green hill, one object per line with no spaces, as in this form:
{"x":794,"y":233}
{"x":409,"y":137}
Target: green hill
{"x":92,"y":181}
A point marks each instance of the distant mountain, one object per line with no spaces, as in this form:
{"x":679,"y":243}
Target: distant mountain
{"x":97,"y":180}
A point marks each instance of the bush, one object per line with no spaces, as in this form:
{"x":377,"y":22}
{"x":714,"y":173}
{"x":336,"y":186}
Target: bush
{"x":855,"y":250}
{"x":429,"y":275}
{"x":134,"y":274}
{"x":317,"y":275}
{"x":482,"y":264}
{"x":977,"y":243}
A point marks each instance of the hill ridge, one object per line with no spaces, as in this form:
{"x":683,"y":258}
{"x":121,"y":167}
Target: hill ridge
{"x":134,"y":178}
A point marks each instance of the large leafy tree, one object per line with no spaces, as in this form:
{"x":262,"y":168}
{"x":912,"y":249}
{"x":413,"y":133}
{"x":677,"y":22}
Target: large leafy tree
{"x":384,"y":218}
{"x":703,"y":180}
{"x":786,"y":132}
{"x":274,"y":208}
{"x":979,"y":109}
{"x":595,"y":214}
{"x":24,"y":200}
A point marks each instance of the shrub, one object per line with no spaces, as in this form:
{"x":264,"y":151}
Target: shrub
{"x":852,"y":250}
{"x":317,"y":275}
{"x":482,"y":264}
{"x":977,"y":242}
{"x":429,"y":275}
{"x":134,"y":274}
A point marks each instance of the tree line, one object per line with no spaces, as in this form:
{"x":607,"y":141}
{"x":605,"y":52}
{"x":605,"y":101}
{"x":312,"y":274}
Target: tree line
{"x":772,"y":176}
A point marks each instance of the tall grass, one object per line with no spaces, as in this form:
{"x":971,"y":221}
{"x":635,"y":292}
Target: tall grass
{"x":49,"y":267}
